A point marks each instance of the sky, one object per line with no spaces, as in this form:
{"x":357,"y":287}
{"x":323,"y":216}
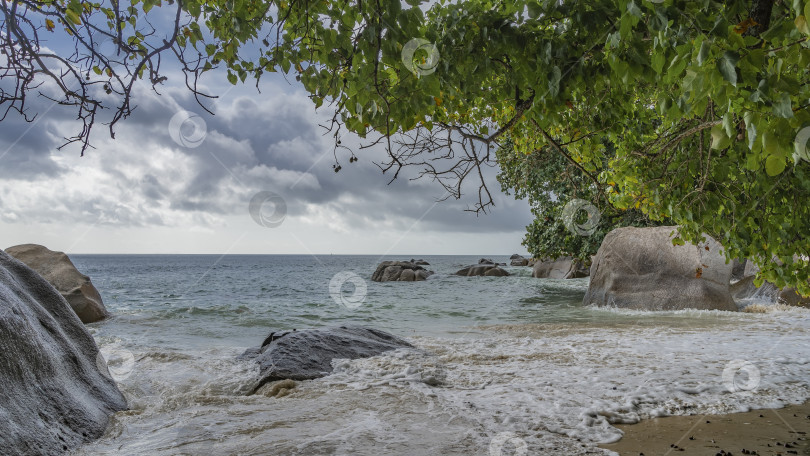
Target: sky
{"x":178,"y":180}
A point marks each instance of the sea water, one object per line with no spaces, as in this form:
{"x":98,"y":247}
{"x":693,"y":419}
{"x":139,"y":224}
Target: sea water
{"x":502,"y":366}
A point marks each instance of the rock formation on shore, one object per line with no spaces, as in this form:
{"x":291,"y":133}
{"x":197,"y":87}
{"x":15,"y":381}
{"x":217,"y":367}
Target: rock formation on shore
{"x":561,"y":268}
{"x":488,"y":270}
{"x":400,"y":271}
{"x":54,"y":397}
{"x":744,"y":288}
{"x":59,"y":271}
{"x":640,"y":268}
{"x":308,"y":354}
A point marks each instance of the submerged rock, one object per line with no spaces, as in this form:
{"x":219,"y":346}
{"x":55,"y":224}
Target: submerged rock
{"x":639,"y":268}
{"x":59,"y":271}
{"x":400,"y":271}
{"x":561,"y":268}
{"x":54,"y":397}
{"x":488,"y":270}
{"x":308,"y":354}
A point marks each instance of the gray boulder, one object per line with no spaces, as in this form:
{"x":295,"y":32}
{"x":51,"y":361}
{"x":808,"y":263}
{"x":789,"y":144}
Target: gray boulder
{"x":639,"y":268}
{"x":400,"y":271}
{"x":54,"y":397}
{"x":744,"y":288}
{"x":488,"y":270}
{"x":518,"y":260}
{"x":59,"y":271}
{"x":561,"y":268}
{"x":420,"y":262}
{"x":308,"y":354}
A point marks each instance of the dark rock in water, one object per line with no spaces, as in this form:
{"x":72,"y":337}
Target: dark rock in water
{"x":53,"y":397}
{"x":485,"y":261}
{"x":515,"y":256}
{"x":561,"y":268}
{"x":420,"y":262}
{"x":518,"y":260}
{"x":640,"y":268}
{"x":400,"y":271}
{"x":488,"y":270}
{"x":308,"y":354}
{"x":59,"y":271}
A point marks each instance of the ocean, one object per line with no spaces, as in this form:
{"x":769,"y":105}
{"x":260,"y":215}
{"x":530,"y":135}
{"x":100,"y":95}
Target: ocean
{"x":503,"y":366}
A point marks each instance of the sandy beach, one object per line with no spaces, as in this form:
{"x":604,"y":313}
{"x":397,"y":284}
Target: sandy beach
{"x":758,"y":432}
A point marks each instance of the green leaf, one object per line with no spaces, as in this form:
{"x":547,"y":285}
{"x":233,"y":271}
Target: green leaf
{"x":719,"y":138}
{"x":73,"y":17}
{"x":658,"y":60}
{"x":554,"y":82}
{"x":801,"y":24}
{"x":782,"y":107}
{"x":727,"y":66}
{"x":232,"y":78}
{"x":703,"y":54}
{"x":774,"y":165}
{"x":770,"y":144}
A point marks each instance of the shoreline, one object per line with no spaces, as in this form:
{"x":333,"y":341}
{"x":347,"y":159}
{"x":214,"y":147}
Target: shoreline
{"x":763,"y":432}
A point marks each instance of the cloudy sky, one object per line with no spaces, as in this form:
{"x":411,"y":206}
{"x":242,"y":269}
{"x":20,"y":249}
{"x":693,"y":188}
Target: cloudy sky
{"x":164,"y":187}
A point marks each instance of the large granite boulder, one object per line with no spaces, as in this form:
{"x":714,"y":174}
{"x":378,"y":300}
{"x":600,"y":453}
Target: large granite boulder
{"x":400,"y":271}
{"x":561,"y":268}
{"x":488,"y":270}
{"x":54,"y":398}
{"x":639,"y":268}
{"x":744,"y":289}
{"x":308,"y":354}
{"x":59,"y":271}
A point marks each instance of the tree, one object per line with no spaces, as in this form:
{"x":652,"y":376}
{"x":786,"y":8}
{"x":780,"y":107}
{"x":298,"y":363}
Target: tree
{"x":560,"y":195}
{"x":705,"y":102}
{"x":110,"y":47}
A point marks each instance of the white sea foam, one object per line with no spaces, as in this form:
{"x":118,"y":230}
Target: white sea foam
{"x":558,"y":388}
{"x":579,"y":383}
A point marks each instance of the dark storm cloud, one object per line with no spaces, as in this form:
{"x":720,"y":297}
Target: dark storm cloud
{"x":254,"y":142}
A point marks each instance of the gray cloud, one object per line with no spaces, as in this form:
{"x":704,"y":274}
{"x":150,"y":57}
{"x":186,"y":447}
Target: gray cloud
{"x":269,"y":141}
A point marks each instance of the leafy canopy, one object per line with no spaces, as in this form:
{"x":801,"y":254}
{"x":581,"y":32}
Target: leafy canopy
{"x":702,"y":101}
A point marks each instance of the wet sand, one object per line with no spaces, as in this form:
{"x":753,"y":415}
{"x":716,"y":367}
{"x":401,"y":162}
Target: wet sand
{"x":759,"y":432}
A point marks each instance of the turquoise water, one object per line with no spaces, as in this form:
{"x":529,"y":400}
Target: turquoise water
{"x":237,"y":299}
{"x":503,"y":363}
